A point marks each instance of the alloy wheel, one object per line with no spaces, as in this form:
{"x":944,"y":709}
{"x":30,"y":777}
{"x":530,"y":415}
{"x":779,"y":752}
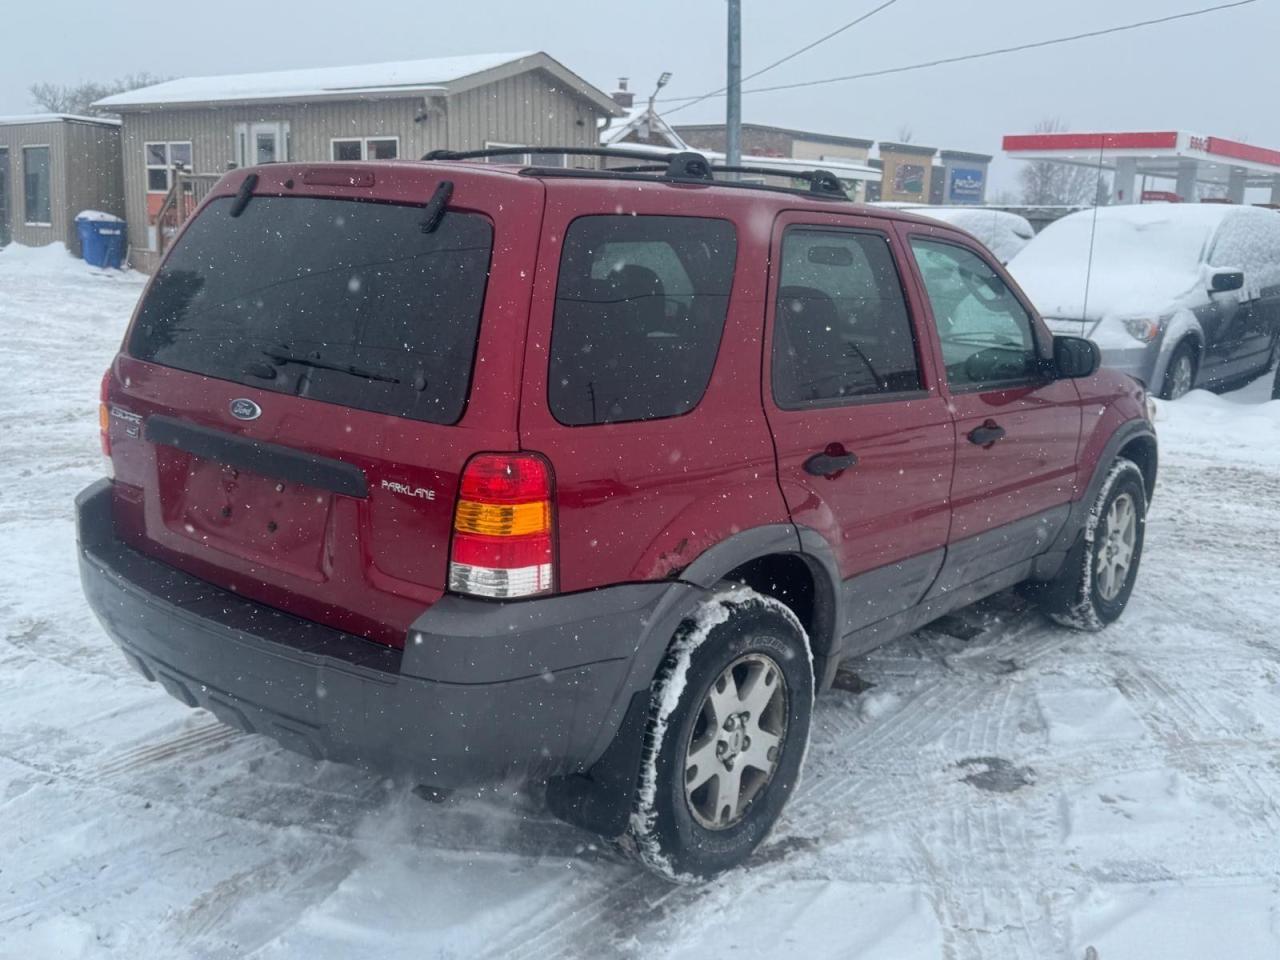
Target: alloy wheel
{"x":1115,"y":550}
{"x":736,"y":741}
{"x":1183,"y":372}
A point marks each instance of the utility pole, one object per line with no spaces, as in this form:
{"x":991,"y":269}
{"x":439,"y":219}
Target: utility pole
{"x":733,"y":104}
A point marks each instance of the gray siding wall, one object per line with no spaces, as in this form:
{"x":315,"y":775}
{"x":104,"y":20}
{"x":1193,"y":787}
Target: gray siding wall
{"x":311,"y":127}
{"x":527,"y":108}
{"x":94,"y":178}
{"x":53,"y":135}
{"x":84,"y":174}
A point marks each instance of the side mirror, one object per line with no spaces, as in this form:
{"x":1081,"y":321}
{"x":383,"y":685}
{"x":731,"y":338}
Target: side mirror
{"x":1075,"y":357}
{"x":1224,"y":281}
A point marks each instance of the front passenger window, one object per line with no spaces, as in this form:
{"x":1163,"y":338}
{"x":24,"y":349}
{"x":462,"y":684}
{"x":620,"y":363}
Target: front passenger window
{"x":985,"y":332}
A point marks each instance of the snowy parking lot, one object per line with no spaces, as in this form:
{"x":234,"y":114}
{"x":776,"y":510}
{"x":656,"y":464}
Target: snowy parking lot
{"x":991,"y":787}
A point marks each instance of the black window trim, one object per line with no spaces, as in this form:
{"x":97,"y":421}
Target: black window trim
{"x":896,"y":396}
{"x":715,"y":360}
{"x":1043,"y":364}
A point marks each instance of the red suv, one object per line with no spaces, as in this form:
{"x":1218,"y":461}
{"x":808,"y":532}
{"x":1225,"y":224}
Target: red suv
{"x":464,"y":471}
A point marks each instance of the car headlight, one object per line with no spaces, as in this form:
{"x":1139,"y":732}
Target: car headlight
{"x":1141,"y":328}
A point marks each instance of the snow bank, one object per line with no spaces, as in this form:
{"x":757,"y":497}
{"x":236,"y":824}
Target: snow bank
{"x":1243,"y":425}
{"x":54,"y":261}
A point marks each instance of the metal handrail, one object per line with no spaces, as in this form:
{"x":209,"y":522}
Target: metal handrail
{"x":186,"y":191}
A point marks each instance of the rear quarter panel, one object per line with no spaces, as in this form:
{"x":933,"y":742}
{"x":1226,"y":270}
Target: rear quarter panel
{"x":640,"y":501}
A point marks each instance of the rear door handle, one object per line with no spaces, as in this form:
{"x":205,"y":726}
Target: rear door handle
{"x":835,"y":459}
{"x":986,"y":434}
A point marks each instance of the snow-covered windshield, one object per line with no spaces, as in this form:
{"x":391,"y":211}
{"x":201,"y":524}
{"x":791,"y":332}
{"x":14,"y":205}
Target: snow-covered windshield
{"x":1164,"y":243}
{"x":1129,"y":259}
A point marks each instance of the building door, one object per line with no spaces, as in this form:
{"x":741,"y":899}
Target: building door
{"x":261,"y":143}
{"x":4,"y":196}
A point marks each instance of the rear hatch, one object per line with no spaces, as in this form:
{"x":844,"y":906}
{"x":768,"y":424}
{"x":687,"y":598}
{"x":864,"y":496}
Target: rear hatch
{"x":307,"y":375}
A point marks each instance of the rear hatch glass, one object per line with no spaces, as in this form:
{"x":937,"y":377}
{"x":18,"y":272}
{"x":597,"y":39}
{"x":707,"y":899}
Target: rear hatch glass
{"x":336,"y":300}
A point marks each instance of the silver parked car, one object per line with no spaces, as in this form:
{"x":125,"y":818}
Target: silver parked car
{"x":1179,"y":296}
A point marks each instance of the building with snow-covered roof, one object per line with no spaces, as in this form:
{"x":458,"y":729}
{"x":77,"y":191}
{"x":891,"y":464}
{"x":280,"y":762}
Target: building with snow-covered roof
{"x":179,"y":135}
{"x":52,"y":166}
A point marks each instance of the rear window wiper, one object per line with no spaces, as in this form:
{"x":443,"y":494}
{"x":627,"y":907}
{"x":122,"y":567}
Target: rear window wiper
{"x":282,"y":357}
{"x":434,"y":211}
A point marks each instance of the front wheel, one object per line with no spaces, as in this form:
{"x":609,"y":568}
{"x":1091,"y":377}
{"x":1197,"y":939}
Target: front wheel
{"x":1097,"y":577}
{"x":728,"y":728}
{"x":1181,"y":375}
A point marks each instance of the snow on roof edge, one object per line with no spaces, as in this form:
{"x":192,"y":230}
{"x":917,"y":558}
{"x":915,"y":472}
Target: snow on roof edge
{"x":384,"y":77}
{"x":21,"y":119}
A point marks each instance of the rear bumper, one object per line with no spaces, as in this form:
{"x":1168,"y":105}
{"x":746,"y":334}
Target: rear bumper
{"x":480,"y":692}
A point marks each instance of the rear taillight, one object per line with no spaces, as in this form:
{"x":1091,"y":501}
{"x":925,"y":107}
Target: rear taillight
{"x":104,"y":414}
{"x":503,"y":528}
{"x":104,"y":424}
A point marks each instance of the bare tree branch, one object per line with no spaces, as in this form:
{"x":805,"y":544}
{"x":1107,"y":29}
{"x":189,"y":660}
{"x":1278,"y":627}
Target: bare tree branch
{"x":79,"y":98}
{"x":1048,"y":183}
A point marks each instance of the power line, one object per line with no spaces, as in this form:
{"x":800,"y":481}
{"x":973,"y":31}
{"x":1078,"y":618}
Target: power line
{"x":974,"y":56}
{"x":790,"y":56}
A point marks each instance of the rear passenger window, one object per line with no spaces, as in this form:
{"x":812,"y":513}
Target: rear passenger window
{"x":841,"y":329}
{"x":640,"y":307}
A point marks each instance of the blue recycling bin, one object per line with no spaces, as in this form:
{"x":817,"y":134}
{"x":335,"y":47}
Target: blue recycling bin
{"x":101,"y":239}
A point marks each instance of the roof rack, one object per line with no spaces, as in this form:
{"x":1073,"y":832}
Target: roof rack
{"x":676,"y":166}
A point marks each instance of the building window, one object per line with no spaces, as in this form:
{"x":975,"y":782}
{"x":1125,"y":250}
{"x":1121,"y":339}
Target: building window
{"x":161,"y":159}
{"x":365,"y":148}
{"x":35,"y":183}
{"x":382,"y":148}
{"x":525,"y":159}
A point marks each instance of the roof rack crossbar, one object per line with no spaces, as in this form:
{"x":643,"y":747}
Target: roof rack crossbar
{"x":517,"y":151}
{"x":683,"y":166}
{"x":820,"y":181}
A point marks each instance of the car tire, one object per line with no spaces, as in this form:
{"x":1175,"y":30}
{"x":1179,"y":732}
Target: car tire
{"x":1097,"y":577}
{"x":739,"y":650}
{"x":1180,"y":376}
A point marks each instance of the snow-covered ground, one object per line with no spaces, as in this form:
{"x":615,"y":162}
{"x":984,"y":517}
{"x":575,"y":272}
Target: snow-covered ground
{"x":1026,"y":792}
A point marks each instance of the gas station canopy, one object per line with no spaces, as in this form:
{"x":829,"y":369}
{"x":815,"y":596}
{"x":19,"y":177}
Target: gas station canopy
{"x":1185,"y":159}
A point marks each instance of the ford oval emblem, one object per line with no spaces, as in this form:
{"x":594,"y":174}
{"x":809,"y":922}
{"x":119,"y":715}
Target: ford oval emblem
{"x":245,"y":409}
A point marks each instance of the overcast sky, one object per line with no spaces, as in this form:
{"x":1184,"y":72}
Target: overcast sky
{"x":1211,"y":74}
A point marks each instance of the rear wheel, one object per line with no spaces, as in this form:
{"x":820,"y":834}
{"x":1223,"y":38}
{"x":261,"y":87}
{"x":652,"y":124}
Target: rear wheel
{"x":728,"y":727}
{"x":1098,"y":575}
{"x":1181,"y":375}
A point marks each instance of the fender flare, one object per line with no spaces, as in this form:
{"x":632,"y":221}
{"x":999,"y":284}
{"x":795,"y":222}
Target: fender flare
{"x":1048,"y":564}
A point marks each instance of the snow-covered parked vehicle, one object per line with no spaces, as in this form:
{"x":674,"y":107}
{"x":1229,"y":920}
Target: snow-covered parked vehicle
{"x":1001,"y":232}
{"x":1179,"y":296}
{"x":498,"y":470}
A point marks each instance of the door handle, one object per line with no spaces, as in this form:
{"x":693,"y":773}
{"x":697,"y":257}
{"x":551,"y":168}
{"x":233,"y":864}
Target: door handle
{"x":831,"y":461}
{"x":987,"y":434}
